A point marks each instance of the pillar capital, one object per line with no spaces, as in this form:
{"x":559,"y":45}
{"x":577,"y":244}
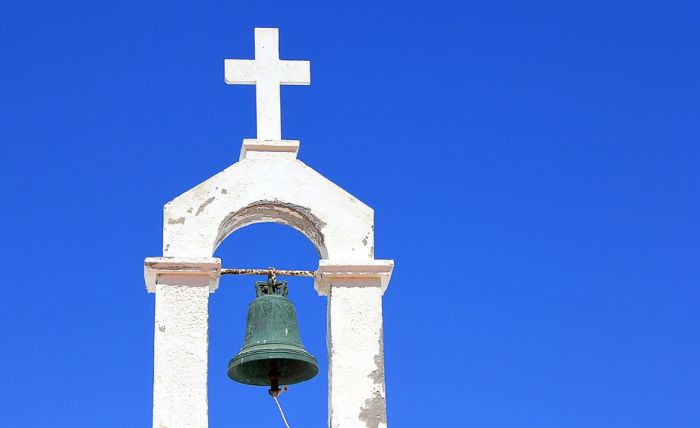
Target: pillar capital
{"x":353,"y":273}
{"x":194,"y":271}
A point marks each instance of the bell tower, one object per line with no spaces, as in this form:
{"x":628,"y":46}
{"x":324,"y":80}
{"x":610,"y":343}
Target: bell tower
{"x":268,"y":184}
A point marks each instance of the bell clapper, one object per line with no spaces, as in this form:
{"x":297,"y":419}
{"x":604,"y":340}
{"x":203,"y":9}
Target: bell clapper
{"x":275,"y":392}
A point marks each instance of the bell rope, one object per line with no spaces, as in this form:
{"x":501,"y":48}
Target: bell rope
{"x":284,"y":418}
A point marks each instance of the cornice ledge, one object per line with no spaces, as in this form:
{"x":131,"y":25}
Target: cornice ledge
{"x":269,"y":149}
{"x":154,"y":267}
{"x":352,"y":270}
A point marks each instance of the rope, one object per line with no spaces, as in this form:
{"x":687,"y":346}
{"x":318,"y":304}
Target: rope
{"x":284,"y":419}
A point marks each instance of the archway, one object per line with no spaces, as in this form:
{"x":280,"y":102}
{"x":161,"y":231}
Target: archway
{"x":294,"y":216}
{"x":289,"y":192}
{"x":277,"y":190}
{"x":263,"y":245}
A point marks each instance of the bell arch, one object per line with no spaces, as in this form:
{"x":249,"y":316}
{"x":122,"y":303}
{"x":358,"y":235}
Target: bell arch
{"x":296,"y":217}
{"x":276,"y":188}
{"x":284,"y":191}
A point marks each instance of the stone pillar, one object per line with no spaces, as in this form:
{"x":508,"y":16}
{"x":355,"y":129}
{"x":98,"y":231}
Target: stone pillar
{"x":182,"y":287}
{"x":357,"y":397}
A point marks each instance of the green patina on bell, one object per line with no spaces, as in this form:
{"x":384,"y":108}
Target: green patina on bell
{"x":272,"y":353}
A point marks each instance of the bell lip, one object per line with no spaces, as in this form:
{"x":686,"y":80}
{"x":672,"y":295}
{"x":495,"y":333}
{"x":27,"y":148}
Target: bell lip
{"x":290,"y":351}
{"x":304,"y":357}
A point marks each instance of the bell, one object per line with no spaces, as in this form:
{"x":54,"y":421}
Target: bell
{"x":272,"y":353}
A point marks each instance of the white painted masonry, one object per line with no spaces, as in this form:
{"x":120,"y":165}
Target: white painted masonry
{"x":268,"y":184}
{"x":355,"y":341}
{"x":267,"y":72}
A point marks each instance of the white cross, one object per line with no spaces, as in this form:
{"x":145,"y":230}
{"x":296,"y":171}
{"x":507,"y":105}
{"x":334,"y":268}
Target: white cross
{"x":267,"y":72}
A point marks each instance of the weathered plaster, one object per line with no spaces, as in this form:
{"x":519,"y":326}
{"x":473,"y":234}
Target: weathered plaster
{"x":204,"y":205}
{"x":374,"y":411}
{"x":257,"y":190}
{"x":353,"y":341}
{"x":268,"y":184}
{"x":297,"y":217}
{"x":285,"y":191}
{"x":180,"y":353}
{"x":356,"y":363}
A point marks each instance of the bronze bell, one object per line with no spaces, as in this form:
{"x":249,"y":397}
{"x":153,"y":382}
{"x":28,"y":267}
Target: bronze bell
{"x":272,"y":352}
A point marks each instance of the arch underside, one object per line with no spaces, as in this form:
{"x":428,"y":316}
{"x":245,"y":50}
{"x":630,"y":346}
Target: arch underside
{"x":294,"y":216}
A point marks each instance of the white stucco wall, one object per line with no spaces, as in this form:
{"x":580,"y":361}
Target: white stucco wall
{"x":282,"y":190}
{"x":180,"y":362}
{"x":268,"y":184}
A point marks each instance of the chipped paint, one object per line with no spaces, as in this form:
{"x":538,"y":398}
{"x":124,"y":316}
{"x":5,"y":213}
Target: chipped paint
{"x":373,"y":414}
{"x":356,"y":358}
{"x":204,"y":205}
{"x":180,"y":220}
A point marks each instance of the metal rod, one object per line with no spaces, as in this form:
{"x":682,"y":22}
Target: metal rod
{"x":267,"y":272}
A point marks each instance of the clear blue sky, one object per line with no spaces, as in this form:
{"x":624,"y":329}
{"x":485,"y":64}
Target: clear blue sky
{"x":533,"y":167}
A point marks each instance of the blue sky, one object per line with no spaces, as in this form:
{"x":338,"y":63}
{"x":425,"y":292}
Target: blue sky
{"x":533,"y":167}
